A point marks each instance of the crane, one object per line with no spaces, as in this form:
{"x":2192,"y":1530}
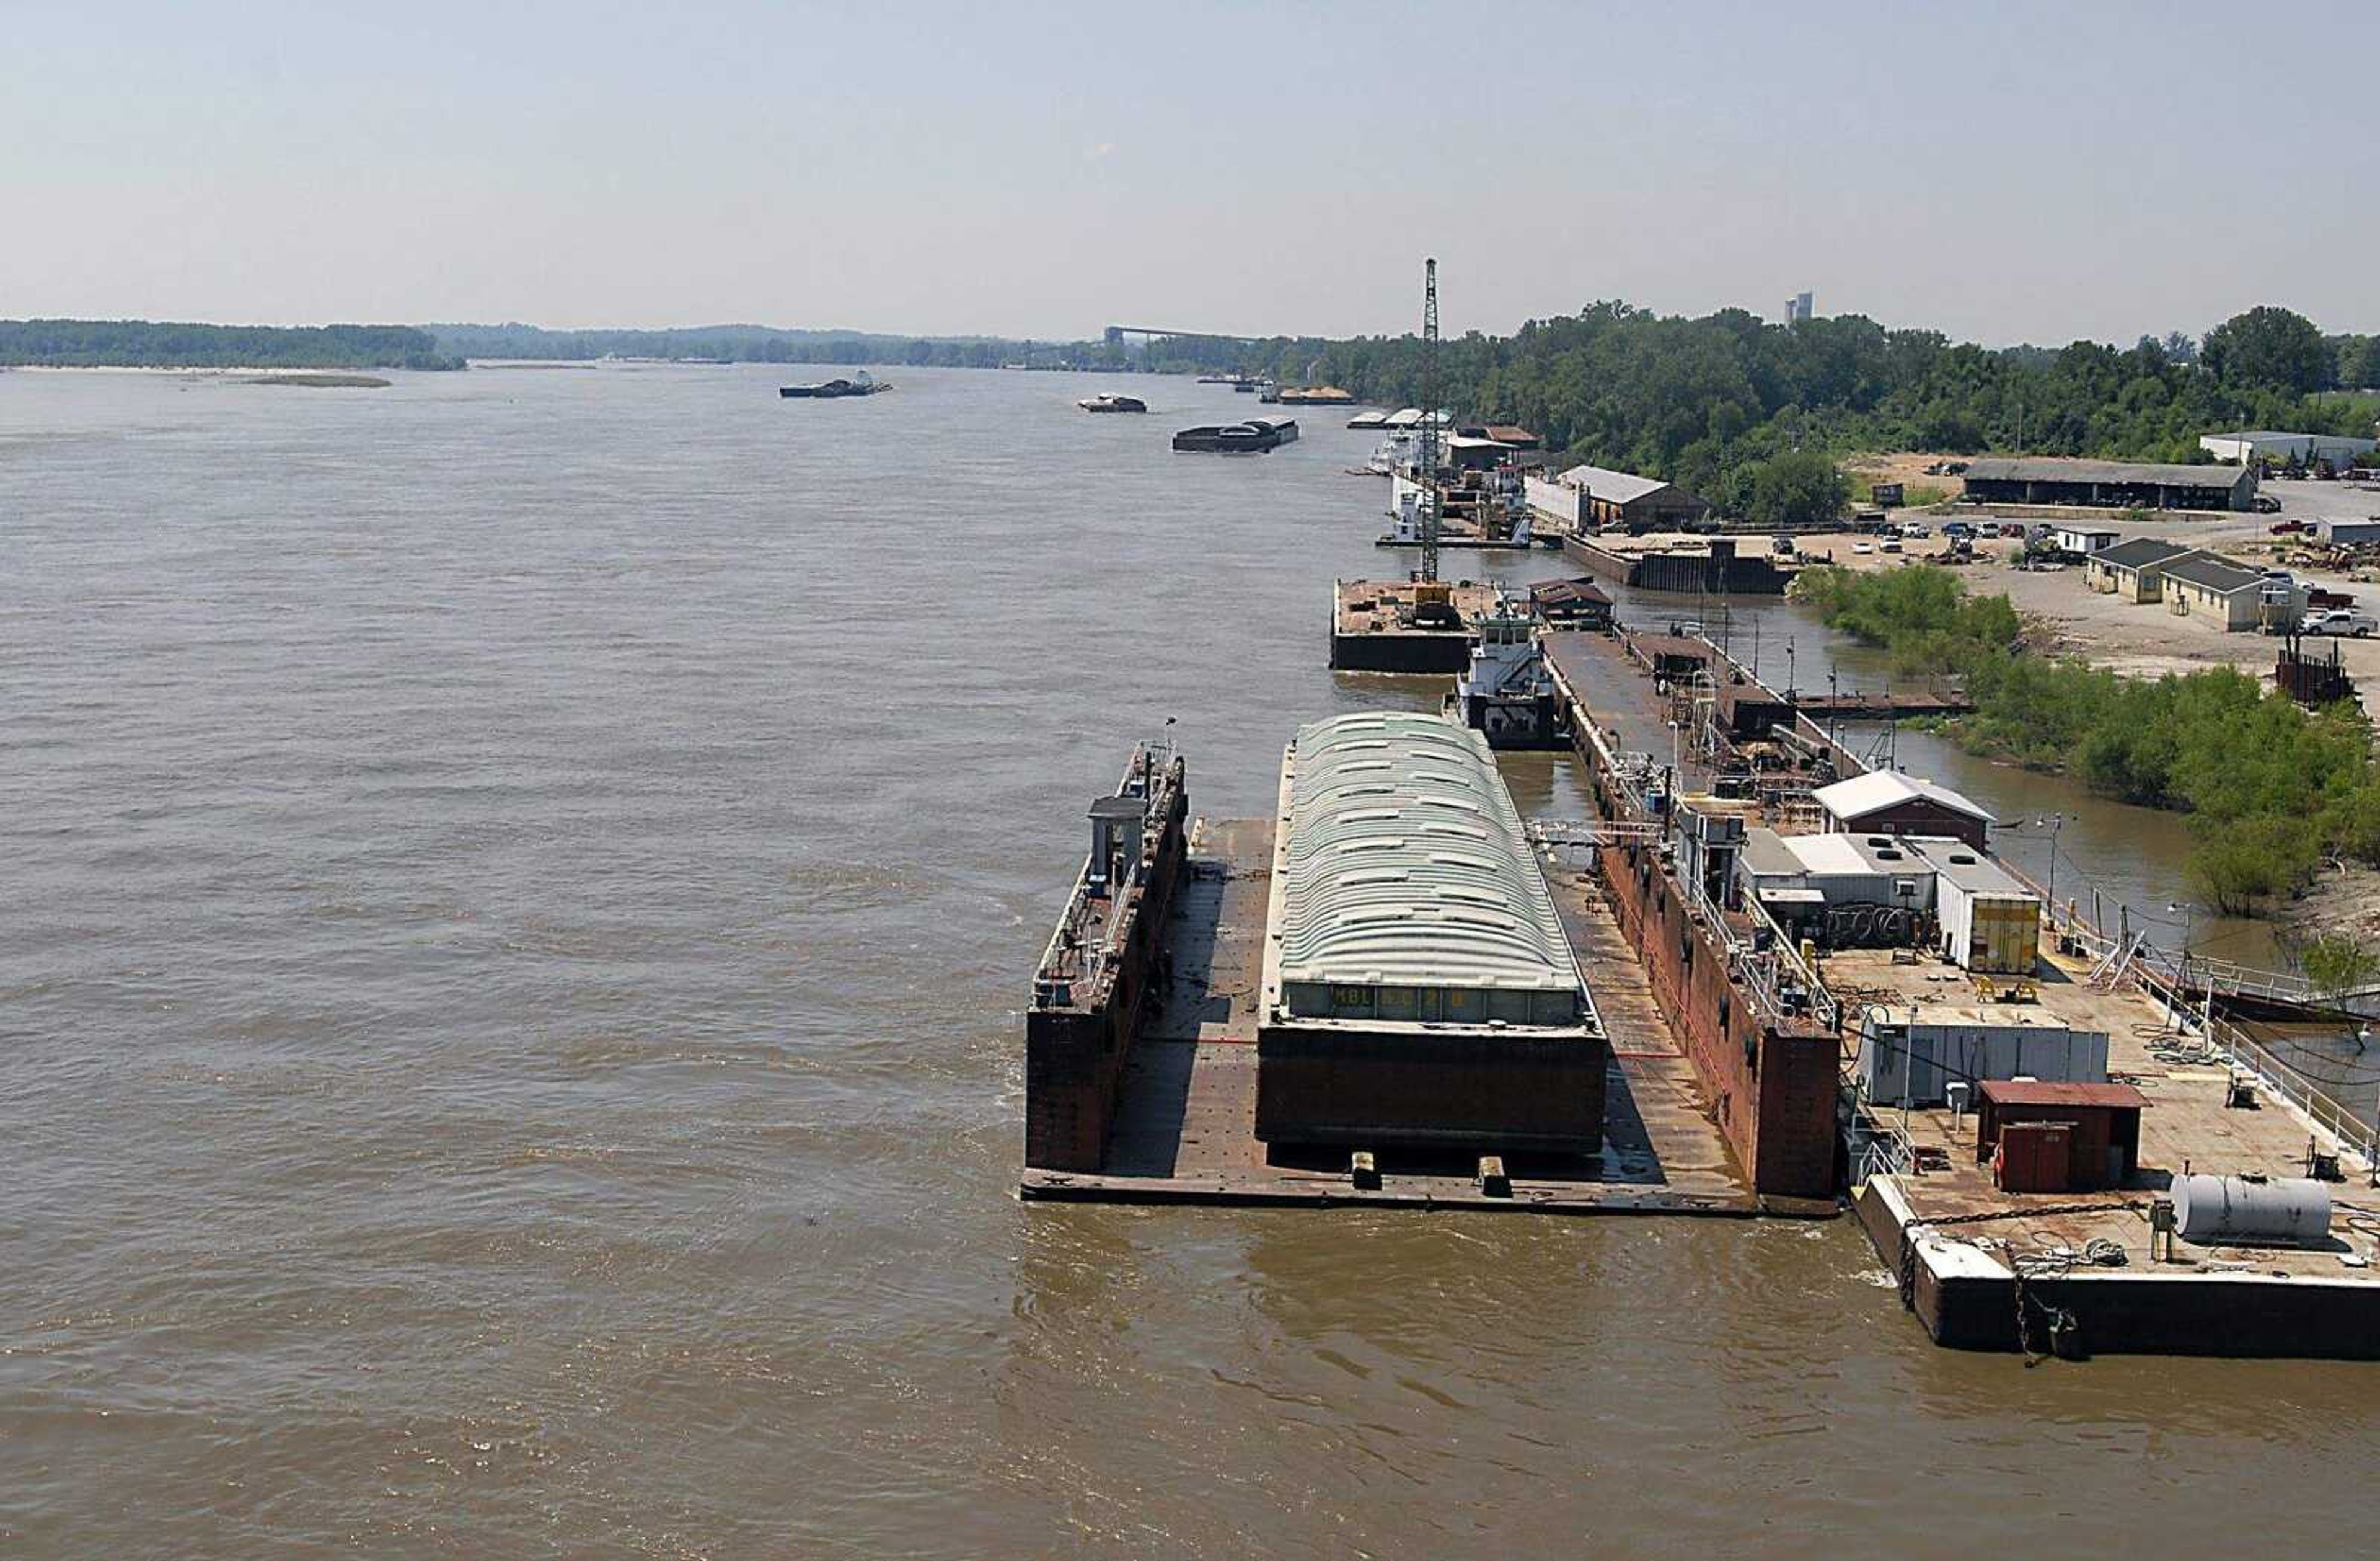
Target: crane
{"x":1429,"y":433}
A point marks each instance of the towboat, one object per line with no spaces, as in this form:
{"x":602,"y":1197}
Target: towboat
{"x":1113,"y":404}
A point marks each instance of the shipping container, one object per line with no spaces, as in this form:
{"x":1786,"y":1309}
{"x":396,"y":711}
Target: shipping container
{"x":1990,"y":923}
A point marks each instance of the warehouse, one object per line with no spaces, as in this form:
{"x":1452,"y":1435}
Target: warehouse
{"x":2135,"y":569}
{"x":1633,"y":503}
{"x":1417,"y":987}
{"x":2231,"y":595}
{"x":2339,"y":449}
{"x":2109,"y":484}
{"x":1887,"y":802}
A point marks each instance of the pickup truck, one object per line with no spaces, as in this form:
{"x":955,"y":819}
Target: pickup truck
{"x":2287,"y":528}
{"x":2343,"y":620}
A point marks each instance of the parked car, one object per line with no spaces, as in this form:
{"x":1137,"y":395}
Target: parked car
{"x":1917,"y":529}
{"x":1890,"y":544}
{"x":1956,"y":529}
{"x":1863,"y":547}
{"x":2267,"y":505}
{"x":2343,"y":620}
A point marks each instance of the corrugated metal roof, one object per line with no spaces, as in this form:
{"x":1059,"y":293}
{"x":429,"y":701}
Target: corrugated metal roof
{"x":2049,"y":469}
{"x":1862,"y":795}
{"x":1406,"y":863}
{"x":1613,"y":487}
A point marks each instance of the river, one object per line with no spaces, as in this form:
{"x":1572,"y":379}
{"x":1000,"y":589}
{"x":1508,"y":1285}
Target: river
{"x":519,"y":890}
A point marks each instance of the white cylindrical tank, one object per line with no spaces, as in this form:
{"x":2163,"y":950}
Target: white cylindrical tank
{"x":2224,"y":1210}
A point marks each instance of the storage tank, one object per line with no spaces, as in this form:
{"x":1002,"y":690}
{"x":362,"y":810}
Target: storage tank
{"x":2233,"y":1210}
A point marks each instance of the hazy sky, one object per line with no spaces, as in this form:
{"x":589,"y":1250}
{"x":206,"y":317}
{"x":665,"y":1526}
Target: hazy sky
{"x":2002,"y":172}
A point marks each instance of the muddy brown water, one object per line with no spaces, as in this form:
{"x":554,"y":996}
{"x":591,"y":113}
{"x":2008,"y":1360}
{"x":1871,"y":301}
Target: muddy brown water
{"x":518,"y":891}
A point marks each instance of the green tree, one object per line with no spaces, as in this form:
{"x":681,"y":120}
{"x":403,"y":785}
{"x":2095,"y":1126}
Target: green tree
{"x":2271,"y":348}
{"x":1798,"y":488}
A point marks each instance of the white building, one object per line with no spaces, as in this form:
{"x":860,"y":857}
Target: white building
{"x":2339,"y":449}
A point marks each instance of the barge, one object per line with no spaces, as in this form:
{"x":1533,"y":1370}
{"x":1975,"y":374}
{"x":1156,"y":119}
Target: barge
{"x":1406,"y":625}
{"x":835,"y":389}
{"x":1253,"y":436}
{"x":1713,"y":568}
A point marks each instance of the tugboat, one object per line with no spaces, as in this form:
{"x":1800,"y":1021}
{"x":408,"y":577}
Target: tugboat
{"x":1113,"y":404}
{"x":859,"y":383}
{"x":1507,"y":693}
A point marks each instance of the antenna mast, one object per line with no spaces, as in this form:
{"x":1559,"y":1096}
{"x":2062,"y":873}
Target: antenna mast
{"x":1429,"y":436}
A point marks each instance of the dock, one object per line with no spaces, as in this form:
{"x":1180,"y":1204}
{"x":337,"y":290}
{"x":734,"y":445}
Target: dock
{"x":2081,"y":1272}
{"x":1183,"y":1130}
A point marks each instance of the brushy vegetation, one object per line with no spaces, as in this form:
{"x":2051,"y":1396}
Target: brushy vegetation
{"x":2271,"y":789}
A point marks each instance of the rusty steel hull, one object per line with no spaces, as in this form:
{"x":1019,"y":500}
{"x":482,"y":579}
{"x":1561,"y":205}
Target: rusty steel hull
{"x":1461,"y":1092}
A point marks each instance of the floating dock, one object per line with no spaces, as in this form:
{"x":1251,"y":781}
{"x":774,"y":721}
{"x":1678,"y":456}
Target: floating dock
{"x":1183,"y":1124}
{"x":2074,"y":1273}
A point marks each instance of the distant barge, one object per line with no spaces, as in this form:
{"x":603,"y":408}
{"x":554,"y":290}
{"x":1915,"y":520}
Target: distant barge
{"x":1253,"y":436}
{"x":1715,"y":568}
{"x":833,"y":389}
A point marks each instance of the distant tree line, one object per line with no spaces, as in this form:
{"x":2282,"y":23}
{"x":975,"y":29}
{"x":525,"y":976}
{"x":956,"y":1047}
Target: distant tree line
{"x":764,"y":344}
{"x":1708,"y":402}
{"x":146,"y":344}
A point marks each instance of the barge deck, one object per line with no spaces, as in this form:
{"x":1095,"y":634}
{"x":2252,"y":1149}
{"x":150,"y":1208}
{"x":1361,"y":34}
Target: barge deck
{"x":1373,"y":627}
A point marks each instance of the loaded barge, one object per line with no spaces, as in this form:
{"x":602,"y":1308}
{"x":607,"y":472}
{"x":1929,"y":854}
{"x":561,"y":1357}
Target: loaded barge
{"x":1251,"y":437}
{"x":861,"y":383}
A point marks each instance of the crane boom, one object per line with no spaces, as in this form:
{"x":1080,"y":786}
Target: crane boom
{"x":1429,"y":432}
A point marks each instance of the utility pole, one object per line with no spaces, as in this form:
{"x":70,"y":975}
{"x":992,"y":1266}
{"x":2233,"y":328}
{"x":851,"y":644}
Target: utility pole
{"x":1430,"y":431}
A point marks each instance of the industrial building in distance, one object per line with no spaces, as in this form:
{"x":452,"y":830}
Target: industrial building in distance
{"x":2109,"y":484}
{"x":1594,"y":497}
{"x":2265,"y":445}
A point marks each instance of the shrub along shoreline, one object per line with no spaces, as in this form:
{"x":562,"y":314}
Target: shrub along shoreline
{"x":2270,"y":789}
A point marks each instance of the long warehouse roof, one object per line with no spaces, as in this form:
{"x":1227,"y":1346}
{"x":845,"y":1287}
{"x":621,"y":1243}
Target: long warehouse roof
{"x":2057,"y":469}
{"x":1406,"y":863}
